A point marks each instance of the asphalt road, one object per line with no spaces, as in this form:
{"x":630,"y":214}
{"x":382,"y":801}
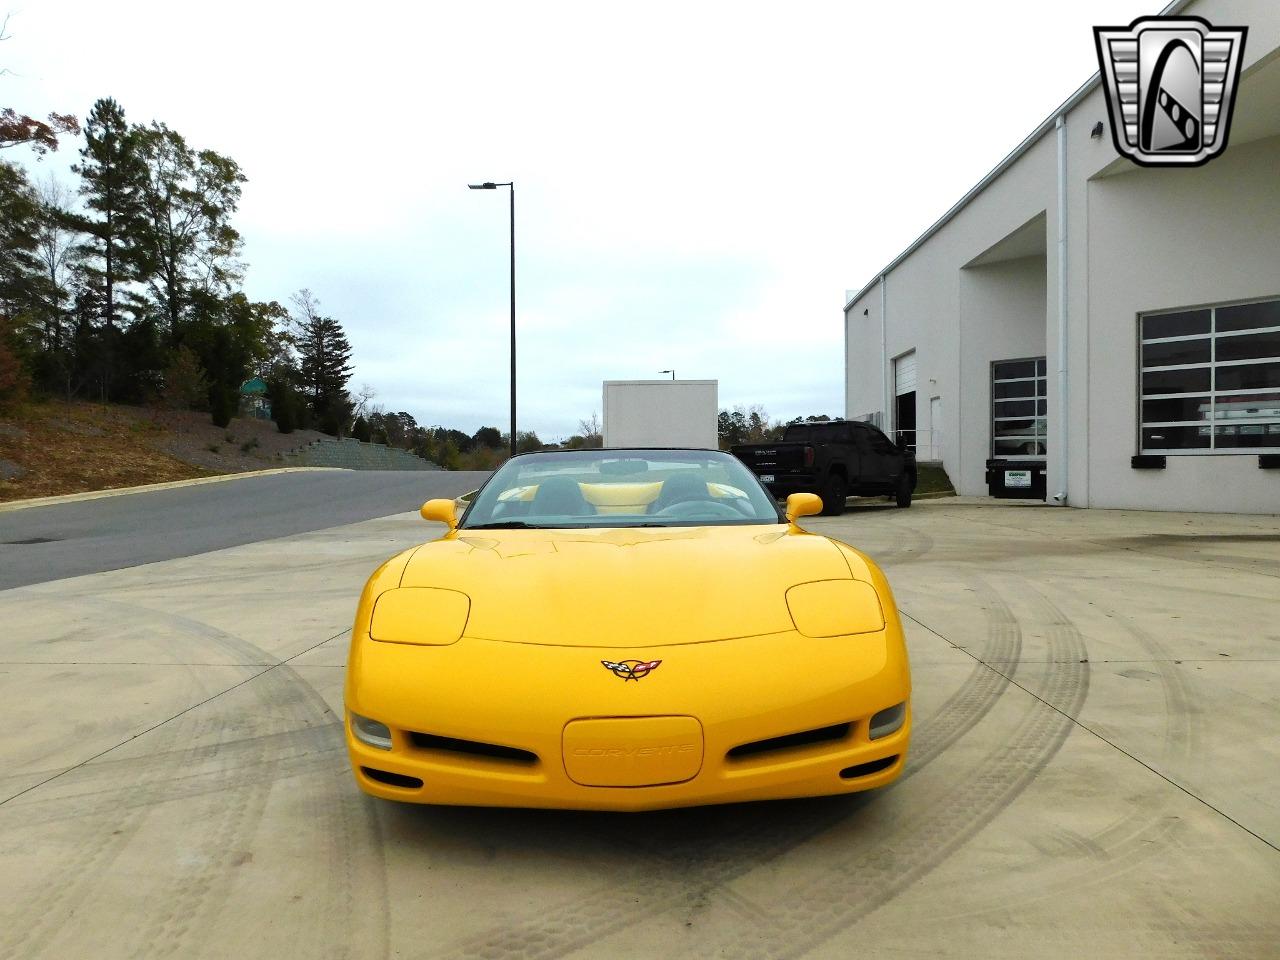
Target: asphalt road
{"x":91,"y":536}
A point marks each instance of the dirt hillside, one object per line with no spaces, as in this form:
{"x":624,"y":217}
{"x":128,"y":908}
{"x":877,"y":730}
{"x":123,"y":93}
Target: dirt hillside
{"x":54,"y":448}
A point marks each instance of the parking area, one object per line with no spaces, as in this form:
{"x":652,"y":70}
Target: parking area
{"x":1095,"y":770}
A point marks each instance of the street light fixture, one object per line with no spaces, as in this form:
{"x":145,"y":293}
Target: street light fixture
{"x":490,"y":185}
{"x":672,"y":372}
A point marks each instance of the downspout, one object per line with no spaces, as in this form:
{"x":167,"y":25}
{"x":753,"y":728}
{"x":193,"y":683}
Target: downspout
{"x":848,"y":414}
{"x":1061,"y":495}
{"x":884,"y":356}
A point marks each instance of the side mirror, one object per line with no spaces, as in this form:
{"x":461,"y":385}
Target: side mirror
{"x":441,"y":511}
{"x":800,"y":505}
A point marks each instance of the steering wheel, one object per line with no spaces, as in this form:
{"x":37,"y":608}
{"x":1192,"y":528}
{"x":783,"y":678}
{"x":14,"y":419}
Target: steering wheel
{"x":698,"y":508}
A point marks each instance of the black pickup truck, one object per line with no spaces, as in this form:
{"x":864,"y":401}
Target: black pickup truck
{"x":834,"y":459}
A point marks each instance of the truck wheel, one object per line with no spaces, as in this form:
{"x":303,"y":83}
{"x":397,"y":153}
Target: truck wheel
{"x":833,"y":497}
{"x":903,"y":494}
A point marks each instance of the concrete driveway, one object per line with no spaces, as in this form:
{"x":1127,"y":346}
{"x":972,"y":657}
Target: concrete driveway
{"x":1095,"y":771}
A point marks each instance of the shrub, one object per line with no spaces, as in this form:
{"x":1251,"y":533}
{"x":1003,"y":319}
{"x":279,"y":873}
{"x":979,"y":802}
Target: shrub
{"x":331,"y":423}
{"x":222,"y":405}
{"x":185,"y":385}
{"x":13,"y":378}
{"x":248,"y":445}
{"x":284,"y":409}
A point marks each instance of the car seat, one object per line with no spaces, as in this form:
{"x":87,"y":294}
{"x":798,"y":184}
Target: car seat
{"x":560,"y":497}
{"x":680,"y":488}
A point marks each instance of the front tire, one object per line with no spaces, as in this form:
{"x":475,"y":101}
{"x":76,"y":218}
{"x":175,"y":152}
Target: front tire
{"x":833,"y":497}
{"x":902,"y":496}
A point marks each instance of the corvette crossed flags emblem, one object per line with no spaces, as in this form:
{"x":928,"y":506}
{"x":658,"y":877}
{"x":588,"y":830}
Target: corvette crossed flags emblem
{"x":631,"y":669}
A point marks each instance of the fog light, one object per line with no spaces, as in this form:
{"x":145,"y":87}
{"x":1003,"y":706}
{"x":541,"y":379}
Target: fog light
{"x":371,"y":732}
{"x":888,"y":721}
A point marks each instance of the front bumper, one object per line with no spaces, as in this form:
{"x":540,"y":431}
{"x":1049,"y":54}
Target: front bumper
{"x":444,"y":705}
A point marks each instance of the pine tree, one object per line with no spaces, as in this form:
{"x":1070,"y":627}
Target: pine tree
{"x":24,"y":290}
{"x":111,"y":177}
{"x":324,"y":355}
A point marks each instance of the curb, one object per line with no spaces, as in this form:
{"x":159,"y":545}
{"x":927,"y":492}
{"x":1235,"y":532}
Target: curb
{"x":151,"y":487}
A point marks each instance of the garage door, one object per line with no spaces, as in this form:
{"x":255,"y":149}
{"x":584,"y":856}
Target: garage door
{"x":904,"y":374}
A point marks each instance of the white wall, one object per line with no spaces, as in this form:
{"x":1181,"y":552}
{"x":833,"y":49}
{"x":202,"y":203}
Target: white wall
{"x":1175,"y":238}
{"x":1137,"y":240}
{"x":1002,"y":317}
{"x":923,"y":310}
{"x":660,"y":413}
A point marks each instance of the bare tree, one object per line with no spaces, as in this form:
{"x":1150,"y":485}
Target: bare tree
{"x":591,"y":431}
{"x":364,"y":396}
{"x":57,"y":249}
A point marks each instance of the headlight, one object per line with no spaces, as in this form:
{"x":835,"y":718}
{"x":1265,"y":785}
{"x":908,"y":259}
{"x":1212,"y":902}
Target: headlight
{"x":833,"y":608}
{"x":370,"y":732}
{"x":426,"y":616}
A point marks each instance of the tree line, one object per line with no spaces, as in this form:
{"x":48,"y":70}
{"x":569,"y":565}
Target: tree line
{"x":751,"y":424}
{"x":126,"y":285}
{"x":486,"y":449}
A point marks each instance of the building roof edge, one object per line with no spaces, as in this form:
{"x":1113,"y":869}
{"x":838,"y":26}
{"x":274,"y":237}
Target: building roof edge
{"x":1027,"y":143}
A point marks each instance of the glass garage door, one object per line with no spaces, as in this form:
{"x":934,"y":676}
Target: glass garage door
{"x":1211,"y":380}
{"x":1019,"y":408}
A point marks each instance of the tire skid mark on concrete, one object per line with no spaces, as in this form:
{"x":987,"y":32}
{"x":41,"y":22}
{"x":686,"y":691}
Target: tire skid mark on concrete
{"x":975,"y":697}
{"x":1146,"y":829}
{"x":73,"y":875}
{"x":233,"y":815}
{"x":870,"y":874}
{"x":1141,"y":833}
{"x":679,"y":866}
{"x":909,"y":543}
{"x":230,"y":811}
{"x":163,"y":932}
{"x":285,"y":755}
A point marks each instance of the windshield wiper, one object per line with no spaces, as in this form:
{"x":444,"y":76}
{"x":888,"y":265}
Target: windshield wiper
{"x":505,"y":525}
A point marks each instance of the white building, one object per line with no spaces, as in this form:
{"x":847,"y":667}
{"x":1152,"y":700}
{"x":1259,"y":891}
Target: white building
{"x":660,"y":413}
{"x":1114,"y":327}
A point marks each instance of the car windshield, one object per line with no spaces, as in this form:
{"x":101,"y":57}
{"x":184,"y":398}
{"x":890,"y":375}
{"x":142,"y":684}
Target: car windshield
{"x":621,"y":488}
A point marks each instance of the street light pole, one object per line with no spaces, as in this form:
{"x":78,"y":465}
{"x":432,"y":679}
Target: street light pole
{"x":513,"y":317}
{"x":672,"y":372}
{"x":490,"y":185}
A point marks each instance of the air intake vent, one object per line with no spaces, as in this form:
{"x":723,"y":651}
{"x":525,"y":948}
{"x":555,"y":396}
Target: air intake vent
{"x":392,"y":779}
{"x":867,"y":769}
{"x":473,"y":748}
{"x":791,"y":740}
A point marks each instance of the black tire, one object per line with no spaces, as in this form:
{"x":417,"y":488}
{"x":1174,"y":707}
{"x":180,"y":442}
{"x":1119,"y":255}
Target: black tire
{"x":833,"y":497}
{"x":902,"y":496}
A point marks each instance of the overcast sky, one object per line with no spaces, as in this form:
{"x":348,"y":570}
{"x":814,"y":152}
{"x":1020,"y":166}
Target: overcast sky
{"x":697,"y":183}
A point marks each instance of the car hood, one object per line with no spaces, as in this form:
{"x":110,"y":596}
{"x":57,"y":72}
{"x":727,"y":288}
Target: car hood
{"x":628,"y":587}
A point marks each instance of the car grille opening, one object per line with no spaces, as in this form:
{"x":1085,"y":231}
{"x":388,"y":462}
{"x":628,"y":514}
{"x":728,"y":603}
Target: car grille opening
{"x":473,"y":748}
{"x":392,"y":779}
{"x":866,"y":769}
{"x":790,"y":741}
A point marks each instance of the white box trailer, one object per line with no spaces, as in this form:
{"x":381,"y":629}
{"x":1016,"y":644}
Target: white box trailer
{"x":660,"y":413}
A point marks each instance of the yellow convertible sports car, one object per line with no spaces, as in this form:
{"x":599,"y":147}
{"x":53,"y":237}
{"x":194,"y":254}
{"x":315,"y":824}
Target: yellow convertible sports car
{"x":625,"y":630}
